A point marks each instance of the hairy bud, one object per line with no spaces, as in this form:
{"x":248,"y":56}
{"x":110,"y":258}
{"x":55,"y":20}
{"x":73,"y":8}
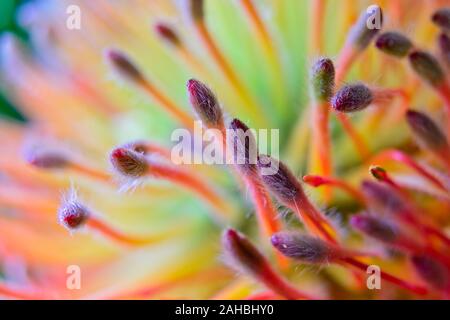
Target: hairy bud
{"x":374,"y":227}
{"x":242,"y":144}
{"x":304,"y":248}
{"x":444,"y":46}
{"x":426,"y":130}
{"x":205,"y":103}
{"x":72,"y":214}
{"x":442,"y":18}
{"x":242,"y":253}
{"x":394,"y":44}
{"x":378,"y":173}
{"x":129,"y":163}
{"x":123,"y":65}
{"x":432,"y":271}
{"x":46,"y":159}
{"x":197,"y":9}
{"x":167,"y":33}
{"x":352,"y":98}
{"x":283,"y":184}
{"x":383,"y":196}
{"x":427,"y":67}
{"x":322,"y":79}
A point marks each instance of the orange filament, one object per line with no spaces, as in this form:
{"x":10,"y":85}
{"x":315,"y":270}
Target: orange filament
{"x":266,"y":213}
{"x":226,"y":68}
{"x":268,"y":46}
{"x":316,"y":42}
{"x":356,"y":138}
{"x":313,"y":219}
{"x":122,"y":238}
{"x":399,"y":156}
{"x":388,"y":277}
{"x":100,"y":101}
{"x":279,"y":285}
{"x":317,"y":181}
{"x":346,"y":59}
{"x":194,"y":183}
{"x":181,"y":116}
{"x":89,"y":172}
{"x":321,"y":142}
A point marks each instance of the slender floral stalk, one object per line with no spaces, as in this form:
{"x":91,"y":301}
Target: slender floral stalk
{"x":288,"y":190}
{"x":197,"y":12}
{"x":317,"y":181}
{"x":134,"y":166}
{"x":127,"y":69}
{"x":314,"y":251}
{"x":242,"y":254}
{"x":73,"y":215}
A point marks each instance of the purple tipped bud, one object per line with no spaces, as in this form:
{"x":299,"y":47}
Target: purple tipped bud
{"x":442,"y":18}
{"x":129,"y":163}
{"x":383,"y":197}
{"x":427,"y":67}
{"x":375,"y":228}
{"x":432,"y":271}
{"x":123,"y":65}
{"x":444,"y":46}
{"x":72,"y":215}
{"x":394,"y":44}
{"x":303,"y":248}
{"x":283,"y":184}
{"x":46,"y":160}
{"x":205,"y":104}
{"x":243,"y":146}
{"x":426,"y":130}
{"x":167,"y":33}
{"x":197,"y":9}
{"x":322,"y":79}
{"x":352,"y":98}
{"x":369,"y":24}
{"x":242,"y":253}
{"x":378,"y":173}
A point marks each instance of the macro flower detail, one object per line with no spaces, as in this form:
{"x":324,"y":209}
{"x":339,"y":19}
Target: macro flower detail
{"x":359,"y":99}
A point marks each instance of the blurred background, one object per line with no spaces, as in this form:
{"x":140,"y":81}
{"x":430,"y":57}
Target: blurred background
{"x":8,"y":23}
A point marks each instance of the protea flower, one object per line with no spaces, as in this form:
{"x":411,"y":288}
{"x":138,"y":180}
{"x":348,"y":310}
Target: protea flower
{"x":90,"y":187}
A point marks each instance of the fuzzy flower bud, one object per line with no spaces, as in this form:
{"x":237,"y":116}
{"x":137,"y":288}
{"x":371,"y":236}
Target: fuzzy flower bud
{"x":432,"y":271}
{"x":352,"y":98}
{"x":242,"y":253}
{"x":46,"y":159}
{"x":442,"y":18}
{"x":197,"y":9}
{"x":427,"y":67}
{"x":123,"y":65}
{"x":128,"y":163}
{"x":375,"y":228}
{"x":383,"y":196}
{"x":243,"y":146}
{"x":205,"y":103}
{"x":72,"y":215}
{"x":304,"y":248}
{"x":426,"y":130}
{"x":322,"y":79}
{"x":444,"y":46}
{"x":283,"y":184}
{"x":167,"y":33}
{"x":394,"y":44}
{"x":378,"y":173}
